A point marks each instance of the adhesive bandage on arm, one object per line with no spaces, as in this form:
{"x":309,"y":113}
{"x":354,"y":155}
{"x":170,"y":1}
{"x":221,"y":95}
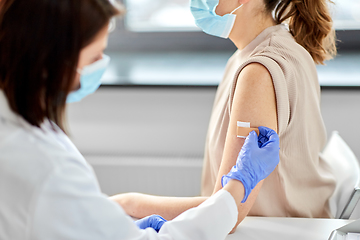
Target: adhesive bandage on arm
{"x":243,"y":129}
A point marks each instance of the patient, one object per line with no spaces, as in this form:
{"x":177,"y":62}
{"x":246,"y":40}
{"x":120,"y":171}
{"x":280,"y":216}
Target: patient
{"x":271,"y":81}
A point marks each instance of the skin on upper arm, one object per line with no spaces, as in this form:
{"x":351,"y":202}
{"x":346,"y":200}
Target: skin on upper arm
{"x":255,"y":102}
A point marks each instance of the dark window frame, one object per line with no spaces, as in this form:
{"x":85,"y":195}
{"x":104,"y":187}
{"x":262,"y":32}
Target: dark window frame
{"x":122,"y":39}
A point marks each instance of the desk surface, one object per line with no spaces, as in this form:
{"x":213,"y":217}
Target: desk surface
{"x":267,"y":228}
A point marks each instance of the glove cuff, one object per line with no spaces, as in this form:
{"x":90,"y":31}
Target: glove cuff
{"x":226,"y":178}
{"x":247,"y":193}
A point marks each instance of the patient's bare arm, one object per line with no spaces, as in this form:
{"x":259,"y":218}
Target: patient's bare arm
{"x":254,"y":101}
{"x":141,"y":205}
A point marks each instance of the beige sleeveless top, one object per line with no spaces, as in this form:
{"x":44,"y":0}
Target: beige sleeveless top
{"x":301,"y":184}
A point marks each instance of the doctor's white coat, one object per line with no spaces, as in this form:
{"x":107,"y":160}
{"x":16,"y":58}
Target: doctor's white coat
{"x":49,"y":192}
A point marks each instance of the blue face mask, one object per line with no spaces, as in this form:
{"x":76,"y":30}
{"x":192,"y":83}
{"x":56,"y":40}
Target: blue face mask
{"x":90,"y":79}
{"x":211,"y":23}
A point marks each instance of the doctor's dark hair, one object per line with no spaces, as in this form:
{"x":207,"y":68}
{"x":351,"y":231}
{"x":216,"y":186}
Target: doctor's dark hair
{"x":310,"y":23}
{"x":40,"y":44}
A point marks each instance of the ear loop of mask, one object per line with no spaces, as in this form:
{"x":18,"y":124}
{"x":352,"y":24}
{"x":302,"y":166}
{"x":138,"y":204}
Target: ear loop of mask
{"x":236,"y":9}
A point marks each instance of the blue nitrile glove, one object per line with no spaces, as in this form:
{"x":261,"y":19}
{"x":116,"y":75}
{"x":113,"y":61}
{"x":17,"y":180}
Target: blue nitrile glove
{"x":257,"y":159}
{"x":153,"y":221}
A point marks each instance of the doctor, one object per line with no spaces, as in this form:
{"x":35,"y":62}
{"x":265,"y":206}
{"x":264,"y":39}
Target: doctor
{"x":52,"y":54}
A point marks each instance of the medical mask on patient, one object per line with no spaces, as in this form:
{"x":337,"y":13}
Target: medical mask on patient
{"x":211,"y":23}
{"x":90,"y":79}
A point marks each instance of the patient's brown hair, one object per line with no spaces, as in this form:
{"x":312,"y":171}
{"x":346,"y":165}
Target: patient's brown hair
{"x":310,"y":23}
{"x":40,"y":43}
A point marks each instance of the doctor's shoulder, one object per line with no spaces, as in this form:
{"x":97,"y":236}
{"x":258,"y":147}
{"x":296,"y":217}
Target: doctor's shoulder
{"x":29,"y":154}
{"x":35,"y":166}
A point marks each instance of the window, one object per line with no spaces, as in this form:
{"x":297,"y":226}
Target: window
{"x":158,"y":44}
{"x":346,"y":14}
{"x":175,"y":15}
{"x":159,"y":15}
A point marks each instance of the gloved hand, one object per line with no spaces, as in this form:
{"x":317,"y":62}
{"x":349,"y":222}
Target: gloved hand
{"x":153,"y":221}
{"x":257,"y":159}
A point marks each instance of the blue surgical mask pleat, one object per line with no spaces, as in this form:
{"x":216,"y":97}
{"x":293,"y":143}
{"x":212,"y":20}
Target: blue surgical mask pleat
{"x":205,"y":17}
{"x":90,"y":79}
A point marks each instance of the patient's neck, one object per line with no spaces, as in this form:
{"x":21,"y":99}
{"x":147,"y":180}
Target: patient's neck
{"x":248,"y":25}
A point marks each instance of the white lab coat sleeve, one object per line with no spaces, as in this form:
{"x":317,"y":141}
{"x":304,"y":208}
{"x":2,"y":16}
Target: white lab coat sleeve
{"x":212,"y":220}
{"x":70,"y":206}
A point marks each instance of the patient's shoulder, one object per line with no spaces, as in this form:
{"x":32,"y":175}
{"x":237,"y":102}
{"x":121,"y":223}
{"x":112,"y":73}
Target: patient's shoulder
{"x":254,"y":79}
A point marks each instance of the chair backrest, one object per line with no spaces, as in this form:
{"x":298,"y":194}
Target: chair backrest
{"x":346,"y":169}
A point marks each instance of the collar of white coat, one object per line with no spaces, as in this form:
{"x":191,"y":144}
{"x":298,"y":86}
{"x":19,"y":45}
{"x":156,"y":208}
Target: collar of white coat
{"x":5,"y":111}
{"x":48,"y":132}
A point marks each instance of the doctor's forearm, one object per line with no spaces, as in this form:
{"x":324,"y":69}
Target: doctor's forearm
{"x":141,"y":205}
